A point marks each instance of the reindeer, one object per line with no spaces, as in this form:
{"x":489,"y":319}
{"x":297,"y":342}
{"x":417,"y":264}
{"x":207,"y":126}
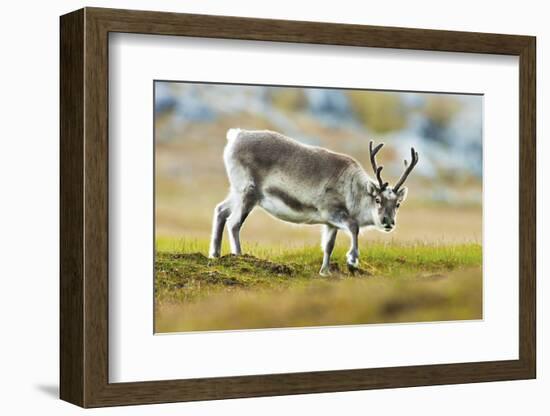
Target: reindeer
{"x":304,"y":184}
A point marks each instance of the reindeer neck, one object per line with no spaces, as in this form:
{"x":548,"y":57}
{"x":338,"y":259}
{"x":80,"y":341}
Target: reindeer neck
{"x":358,"y":196}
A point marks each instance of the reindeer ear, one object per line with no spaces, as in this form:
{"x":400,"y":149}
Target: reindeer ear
{"x":402,"y":193}
{"x":372,"y":189}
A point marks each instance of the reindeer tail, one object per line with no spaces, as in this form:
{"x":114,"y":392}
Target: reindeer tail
{"x":232,"y":134}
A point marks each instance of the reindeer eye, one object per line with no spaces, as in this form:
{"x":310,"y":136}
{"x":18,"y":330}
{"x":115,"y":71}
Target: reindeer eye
{"x":377,"y":200}
{"x":397,"y":205}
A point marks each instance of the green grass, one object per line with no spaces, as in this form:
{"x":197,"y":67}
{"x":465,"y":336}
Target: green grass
{"x":279,"y":286}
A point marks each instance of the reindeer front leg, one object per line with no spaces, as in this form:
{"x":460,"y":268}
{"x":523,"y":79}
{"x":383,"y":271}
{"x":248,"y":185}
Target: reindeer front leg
{"x":352,"y":256}
{"x":342,"y":220}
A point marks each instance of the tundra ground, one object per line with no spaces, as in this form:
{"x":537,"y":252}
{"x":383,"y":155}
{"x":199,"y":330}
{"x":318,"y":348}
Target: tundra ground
{"x":277,"y":286}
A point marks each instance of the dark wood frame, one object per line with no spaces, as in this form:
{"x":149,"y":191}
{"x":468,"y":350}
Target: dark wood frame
{"x":84,"y":207}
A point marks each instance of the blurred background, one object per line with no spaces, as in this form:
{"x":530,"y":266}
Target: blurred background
{"x":445,"y":189}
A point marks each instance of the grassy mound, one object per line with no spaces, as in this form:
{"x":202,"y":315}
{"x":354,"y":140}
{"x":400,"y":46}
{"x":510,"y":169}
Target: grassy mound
{"x":282,"y":288}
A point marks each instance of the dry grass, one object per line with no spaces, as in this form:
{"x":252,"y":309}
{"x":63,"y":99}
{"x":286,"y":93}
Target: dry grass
{"x":438,"y":297}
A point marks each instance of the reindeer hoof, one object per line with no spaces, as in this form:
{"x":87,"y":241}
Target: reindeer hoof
{"x":325,"y":271}
{"x":353,"y":268}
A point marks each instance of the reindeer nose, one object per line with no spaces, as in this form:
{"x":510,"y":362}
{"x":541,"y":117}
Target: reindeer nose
{"x":388,"y":222}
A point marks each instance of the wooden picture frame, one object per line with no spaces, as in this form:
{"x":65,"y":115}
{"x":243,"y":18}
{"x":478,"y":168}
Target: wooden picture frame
{"x":84,"y":207}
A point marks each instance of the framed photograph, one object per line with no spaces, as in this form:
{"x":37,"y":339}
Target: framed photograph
{"x":255,"y":207}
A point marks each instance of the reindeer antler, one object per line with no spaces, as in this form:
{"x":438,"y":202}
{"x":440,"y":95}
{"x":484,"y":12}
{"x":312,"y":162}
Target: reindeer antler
{"x":408,"y":169}
{"x":377,"y":169}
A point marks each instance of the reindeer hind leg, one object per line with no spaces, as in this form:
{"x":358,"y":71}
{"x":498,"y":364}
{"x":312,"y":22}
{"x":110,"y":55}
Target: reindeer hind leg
{"x":221,"y":213}
{"x":241,"y":205}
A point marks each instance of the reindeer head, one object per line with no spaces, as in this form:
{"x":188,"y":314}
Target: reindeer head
{"x":385,"y":199}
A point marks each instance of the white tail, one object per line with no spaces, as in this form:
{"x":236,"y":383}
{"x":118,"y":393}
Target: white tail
{"x":232,"y":134}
